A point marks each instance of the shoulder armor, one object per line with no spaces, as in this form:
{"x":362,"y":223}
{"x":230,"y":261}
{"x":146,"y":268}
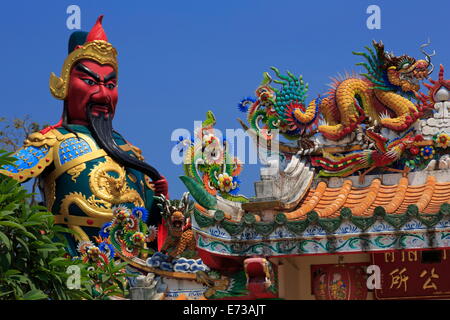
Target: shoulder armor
{"x":38,"y":139}
{"x":72,"y":150}
{"x":73,"y":147}
{"x":35,"y":155}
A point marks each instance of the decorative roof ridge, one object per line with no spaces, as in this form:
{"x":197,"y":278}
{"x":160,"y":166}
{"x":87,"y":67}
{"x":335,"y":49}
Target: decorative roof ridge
{"x":415,"y":178}
{"x":330,"y":216}
{"x":330,"y":225}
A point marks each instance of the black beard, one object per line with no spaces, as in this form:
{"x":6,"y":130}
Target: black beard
{"x":102,"y":132}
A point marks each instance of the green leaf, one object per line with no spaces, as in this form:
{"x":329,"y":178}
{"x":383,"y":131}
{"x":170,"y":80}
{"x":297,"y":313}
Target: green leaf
{"x":42,"y":209}
{"x":119,"y":266}
{"x":29,"y":235}
{"x":6,"y":293}
{"x":31,"y":223}
{"x":47,"y":249}
{"x":34,"y":294}
{"x":11,"y":272}
{"x":24,"y":245}
{"x":42,"y":276}
{"x":12,"y":225}
{"x":58,"y":261}
{"x":4,"y":238}
{"x":5,"y":261}
{"x":39,"y":216}
{"x":80,"y":295}
{"x":58,"y":228}
{"x":105,"y":277}
{"x":5,"y":213}
{"x":21,"y":278}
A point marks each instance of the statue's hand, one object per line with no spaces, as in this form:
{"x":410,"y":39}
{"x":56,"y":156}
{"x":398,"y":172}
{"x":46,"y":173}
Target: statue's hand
{"x":161,"y":187}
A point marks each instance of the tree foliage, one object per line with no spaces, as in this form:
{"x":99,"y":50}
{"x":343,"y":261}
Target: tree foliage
{"x":13,"y":132}
{"x":33,"y":261}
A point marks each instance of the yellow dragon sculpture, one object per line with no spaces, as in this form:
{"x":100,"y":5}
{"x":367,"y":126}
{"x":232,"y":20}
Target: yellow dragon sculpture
{"x":382,"y":95}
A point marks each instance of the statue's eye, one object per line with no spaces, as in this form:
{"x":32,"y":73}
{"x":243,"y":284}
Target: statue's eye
{"x":406,"y":65}
{"x":110,"y":85}
{"x":89,"y":81}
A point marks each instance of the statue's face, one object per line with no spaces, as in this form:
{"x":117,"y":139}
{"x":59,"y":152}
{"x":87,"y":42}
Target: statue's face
{"x":91,"y":85}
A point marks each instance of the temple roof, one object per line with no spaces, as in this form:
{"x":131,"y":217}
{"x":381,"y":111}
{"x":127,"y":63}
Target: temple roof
{"x":395,"y":199}
{"x":339,"y":219}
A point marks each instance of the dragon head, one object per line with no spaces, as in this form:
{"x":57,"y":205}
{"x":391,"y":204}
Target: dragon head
{"x":177,"y":221}
{"x":404,"y":71}
{"x":175,"y":213}
{"x":408,"y":141}
{"x":265,"y":93}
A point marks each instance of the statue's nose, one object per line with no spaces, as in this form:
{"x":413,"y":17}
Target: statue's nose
{"x":102,"y":96}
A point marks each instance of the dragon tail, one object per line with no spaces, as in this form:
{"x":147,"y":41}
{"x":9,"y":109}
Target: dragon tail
{"x":338,"y":164}
{"x":340,"y":173}
{"x":305,"y":116}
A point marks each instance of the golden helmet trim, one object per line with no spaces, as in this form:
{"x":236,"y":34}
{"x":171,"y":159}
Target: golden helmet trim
{"x":98,"y":50}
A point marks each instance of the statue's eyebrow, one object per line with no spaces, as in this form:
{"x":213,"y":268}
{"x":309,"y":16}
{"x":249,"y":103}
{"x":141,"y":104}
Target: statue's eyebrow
{"x":82,"y":68}
{"x":110,"y":76}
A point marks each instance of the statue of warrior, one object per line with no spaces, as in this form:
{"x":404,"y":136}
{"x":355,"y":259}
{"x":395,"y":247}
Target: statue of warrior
{"x":85,"y":168}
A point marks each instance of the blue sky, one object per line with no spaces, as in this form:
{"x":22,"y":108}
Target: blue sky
{"x":178,"y":59}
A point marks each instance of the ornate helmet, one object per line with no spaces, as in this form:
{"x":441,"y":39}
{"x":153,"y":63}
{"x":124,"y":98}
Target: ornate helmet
{"x":96,"y":47}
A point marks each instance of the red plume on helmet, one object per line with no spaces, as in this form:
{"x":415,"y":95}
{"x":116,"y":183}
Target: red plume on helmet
{"x":97,"y":32}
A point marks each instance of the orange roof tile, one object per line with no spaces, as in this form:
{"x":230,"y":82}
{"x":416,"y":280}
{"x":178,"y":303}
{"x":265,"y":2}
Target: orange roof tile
{"x":395,"y":199}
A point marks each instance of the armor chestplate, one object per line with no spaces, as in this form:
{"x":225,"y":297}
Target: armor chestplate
{"x":80,"y":182}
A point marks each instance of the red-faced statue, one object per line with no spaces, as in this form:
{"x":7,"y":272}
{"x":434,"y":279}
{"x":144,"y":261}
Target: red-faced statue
{"x":91,"y":85}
